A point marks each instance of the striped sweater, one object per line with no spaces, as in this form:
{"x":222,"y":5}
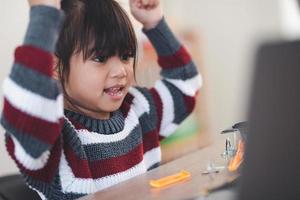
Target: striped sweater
{"x":65,"y":155}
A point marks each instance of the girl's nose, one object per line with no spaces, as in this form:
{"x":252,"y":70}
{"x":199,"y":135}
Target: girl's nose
{"x":118,"y":70}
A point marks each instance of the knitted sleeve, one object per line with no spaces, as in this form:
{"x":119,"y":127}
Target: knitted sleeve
{"x":33,"y":103}
{"x":172,"y":98}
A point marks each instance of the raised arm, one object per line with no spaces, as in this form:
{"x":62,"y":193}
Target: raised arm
{"x":172,"y":97}
{"x":33,"y":104}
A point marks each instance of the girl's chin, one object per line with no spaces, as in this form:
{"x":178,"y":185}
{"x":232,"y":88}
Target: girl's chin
{"x":110,"y":106}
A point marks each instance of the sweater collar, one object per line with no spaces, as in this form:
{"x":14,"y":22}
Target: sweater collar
{"x":108,"y":126}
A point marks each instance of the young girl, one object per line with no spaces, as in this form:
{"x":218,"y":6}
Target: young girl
{"x":93,"y":129}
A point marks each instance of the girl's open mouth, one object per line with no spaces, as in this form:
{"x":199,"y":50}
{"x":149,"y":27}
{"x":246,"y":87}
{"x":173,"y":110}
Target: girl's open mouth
{"x":115,"y":92}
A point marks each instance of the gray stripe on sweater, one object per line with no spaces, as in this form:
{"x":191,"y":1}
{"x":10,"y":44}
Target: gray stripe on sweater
{"x":113,"y":125}
{"x":100,"y":151}
{"x":52,"y":190}
{"x":183,"y":73}
{"x":35,"y":81}
{"x":44,"y":26}
{"x":163,"y":40}
{"x":96,"y":152}
{"x":180,"y":111}
{"x":70,"y":138}
{"x":149,"y":121}
{"x":57,"y":193}
{"x":33,"y":146}
{"x":146,"y":123}
{"x":41,"y":186}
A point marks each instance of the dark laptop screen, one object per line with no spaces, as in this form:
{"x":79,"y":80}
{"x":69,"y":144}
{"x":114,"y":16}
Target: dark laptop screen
{"x":271,"y":168}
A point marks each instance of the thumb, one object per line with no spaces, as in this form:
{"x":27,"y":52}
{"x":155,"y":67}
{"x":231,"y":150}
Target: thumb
{"x":133,"y":3}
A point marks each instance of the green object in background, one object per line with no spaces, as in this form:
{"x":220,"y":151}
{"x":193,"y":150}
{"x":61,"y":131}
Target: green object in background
{"x":188,"y":128}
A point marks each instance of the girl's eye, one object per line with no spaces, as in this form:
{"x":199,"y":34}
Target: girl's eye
{"x":100,"y":59}
{"x":126,"y":57}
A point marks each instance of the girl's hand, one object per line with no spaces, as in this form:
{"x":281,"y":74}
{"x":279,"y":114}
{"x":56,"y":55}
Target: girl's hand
{"x":52,"y":3}
{"x":148,"y":12}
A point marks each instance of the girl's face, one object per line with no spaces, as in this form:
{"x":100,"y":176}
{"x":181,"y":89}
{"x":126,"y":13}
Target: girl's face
{"x":99,"y":84}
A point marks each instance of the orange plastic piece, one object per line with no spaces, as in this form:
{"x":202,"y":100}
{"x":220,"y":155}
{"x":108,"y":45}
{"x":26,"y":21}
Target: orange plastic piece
{"x":158,"y":183}
{"x":238,"y":158}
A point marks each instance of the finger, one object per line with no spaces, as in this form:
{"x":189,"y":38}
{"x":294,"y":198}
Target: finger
{"x":140,"y":4}
{"x":136,"y":4}
{"x":145,"y":3}
{"x":133,"y":4}
{"x":151,"y":3}
{"x":155,"y":3}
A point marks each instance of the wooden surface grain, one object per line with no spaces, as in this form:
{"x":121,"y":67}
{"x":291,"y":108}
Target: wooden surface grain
{"x":195,"y":162}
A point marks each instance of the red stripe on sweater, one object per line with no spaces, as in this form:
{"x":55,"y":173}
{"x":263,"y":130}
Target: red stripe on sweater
{"x":35,"y":58}
{"x":126,"y":104}
{"x":45,"y":174}
{"x":161,"y":138}
{"x":101,"y":168}
{"x":158,"y":105}
{"x":180,"y":58}
{"x":189,"y":103}
{"x":32,"y":126}
{"x":150,"y":140}
{"x":80,"y":167}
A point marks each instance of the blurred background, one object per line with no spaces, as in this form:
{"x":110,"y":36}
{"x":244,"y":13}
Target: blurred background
{"x":221,"y":35}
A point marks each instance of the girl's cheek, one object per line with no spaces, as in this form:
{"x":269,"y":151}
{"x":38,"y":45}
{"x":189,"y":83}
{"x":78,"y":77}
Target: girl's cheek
{"x":130,"y":75}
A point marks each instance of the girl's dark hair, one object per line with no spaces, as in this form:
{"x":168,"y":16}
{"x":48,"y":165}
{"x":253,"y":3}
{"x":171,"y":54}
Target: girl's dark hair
{"x":92,"y":27}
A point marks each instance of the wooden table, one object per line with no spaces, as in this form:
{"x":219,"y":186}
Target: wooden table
{"x":195,"y":162}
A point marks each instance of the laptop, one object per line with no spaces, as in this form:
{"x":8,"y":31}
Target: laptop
{"x":271,"y":169}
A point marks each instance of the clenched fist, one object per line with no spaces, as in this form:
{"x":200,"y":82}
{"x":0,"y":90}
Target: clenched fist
{"x":148,"y":12}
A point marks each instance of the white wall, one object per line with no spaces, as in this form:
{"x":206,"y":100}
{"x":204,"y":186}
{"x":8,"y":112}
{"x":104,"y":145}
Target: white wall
{"x":230,"y":31}
{"x":290,"y":18}
{"x":13,"y":21}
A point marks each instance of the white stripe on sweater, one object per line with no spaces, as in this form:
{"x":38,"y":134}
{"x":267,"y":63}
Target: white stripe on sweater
{"x":168,"y":130}
{"x":140,"y":103}
{"x":167,"y":106}
{"x":89,"y":137}
{"x":28,"y":161}
{"x":71,"y":184}
{"x":31,"y":103}
{"x":188,"y":87}
{"x":152,"y":157}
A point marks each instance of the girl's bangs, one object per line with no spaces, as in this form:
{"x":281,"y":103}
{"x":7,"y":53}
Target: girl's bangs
{"x":107,"y":30}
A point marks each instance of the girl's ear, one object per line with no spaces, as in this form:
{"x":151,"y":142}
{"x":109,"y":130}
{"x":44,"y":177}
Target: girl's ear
{"x":55,"y":68}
